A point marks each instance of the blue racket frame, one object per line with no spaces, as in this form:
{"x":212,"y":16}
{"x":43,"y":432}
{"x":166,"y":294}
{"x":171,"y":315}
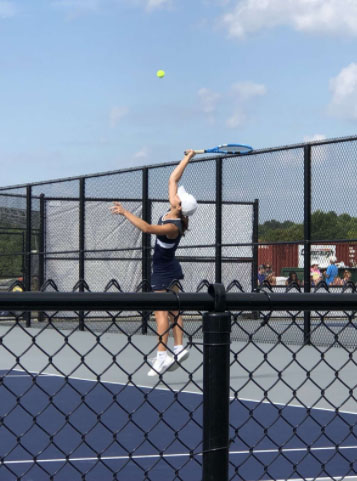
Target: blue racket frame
{"x":230,"y":149}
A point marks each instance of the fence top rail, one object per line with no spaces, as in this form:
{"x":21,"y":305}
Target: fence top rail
{"x":214,"y":300}
{"x":201,"y":159}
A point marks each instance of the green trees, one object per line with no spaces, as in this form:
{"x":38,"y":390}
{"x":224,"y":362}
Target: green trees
{"x":324,"y":226}
{"x":11,"y":248}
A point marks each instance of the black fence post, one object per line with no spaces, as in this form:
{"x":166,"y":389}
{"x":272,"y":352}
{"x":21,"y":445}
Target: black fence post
{"x":41,"y":247}
{"x":81,"y":256}
{"x":255,"y":244}
{"x":41,"y":256}
{"x":216,"y":366}
{"x":218,"y":253}
{"x":28,"y":246}
{"x":145,"y":245}
{"x":307,"y":237}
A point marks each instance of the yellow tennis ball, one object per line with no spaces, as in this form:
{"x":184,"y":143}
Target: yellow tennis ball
{"x":160,"y":73}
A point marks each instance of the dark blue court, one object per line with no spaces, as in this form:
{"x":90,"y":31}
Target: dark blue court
{"x":109,"y":431}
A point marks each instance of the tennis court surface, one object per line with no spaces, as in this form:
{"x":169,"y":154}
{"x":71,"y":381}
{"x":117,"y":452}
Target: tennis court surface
{"x":79,"y":405}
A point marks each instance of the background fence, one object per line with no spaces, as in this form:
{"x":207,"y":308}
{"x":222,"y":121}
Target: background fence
{"x":284,"y":207}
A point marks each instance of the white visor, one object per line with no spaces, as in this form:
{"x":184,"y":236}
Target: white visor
{"x":188,"y":202}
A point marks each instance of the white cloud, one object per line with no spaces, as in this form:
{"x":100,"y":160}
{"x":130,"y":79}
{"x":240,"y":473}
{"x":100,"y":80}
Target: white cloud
{"x":208,"y":99}
{"x":116,"y":115}
{"x":7,"y":9}
{"x":314,"y":138}
{"x":344,"y":93}
{"x":143,"y":153}
{"x":74,"y":9}
{"x":242,"y":95}
{"x":245,"y":91}
{"x":152,"y":4}
{"x":238,"y":100}
{"x":237,"y":119}
{"x":78,"y":6}
{"x":320,"y":153}
{"x":337,"y":17}
{"x":208,"y":102}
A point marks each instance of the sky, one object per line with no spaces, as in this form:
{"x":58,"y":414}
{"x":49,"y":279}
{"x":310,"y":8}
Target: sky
{"x":79,"y":92}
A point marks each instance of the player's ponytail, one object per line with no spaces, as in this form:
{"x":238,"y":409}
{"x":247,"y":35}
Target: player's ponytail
{"x":184,"y":220}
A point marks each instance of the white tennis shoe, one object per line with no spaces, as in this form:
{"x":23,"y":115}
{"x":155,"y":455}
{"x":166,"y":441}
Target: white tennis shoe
{"x":179,"y":358}
{"x":159,"y":366}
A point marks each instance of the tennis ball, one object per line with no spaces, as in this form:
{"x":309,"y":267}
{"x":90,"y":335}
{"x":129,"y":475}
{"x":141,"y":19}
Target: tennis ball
{"x":160,"y":73}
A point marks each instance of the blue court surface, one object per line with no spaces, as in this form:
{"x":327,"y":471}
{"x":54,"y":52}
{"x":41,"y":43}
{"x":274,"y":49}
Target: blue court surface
{"x":67,"y":425}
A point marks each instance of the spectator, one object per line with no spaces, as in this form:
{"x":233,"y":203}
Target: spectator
{"x":331,"y":271}
{"x":268,"y":270}
{"x":271,"y":279}
{"x":338,"y":281}
{"x":315,"y":274}
{"x":261,"y":274}
{"x":347,"y":277}
{"x":293,"y":277}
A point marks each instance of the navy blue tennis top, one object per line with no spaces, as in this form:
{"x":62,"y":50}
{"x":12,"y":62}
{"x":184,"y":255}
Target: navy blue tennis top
{"x":165,"y":248}
{"x":166,"y":267}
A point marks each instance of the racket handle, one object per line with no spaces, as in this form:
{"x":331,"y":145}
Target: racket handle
{"x":196,"y":152}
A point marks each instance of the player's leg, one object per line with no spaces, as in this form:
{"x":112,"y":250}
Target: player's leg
{"x":162,"y":329}
{"x":180,"y":352}
{"x":163,"y":360}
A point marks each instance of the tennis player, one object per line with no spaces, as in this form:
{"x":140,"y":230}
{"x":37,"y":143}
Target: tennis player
{"x":166,"y":268}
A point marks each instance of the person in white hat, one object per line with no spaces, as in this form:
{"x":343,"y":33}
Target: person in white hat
{"x":166,"y":268}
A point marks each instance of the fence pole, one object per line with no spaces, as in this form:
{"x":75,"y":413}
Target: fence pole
{"x":81,"y":256}
{"x":216,"y":366}
{"x":145,"y":245}
{"x":218,"y":253}
{"x":41,"y":247}
{"x":28,"y":245}
{"x":307,"y":237}
{"x":41,"y":256}
{"x":255,"y":244}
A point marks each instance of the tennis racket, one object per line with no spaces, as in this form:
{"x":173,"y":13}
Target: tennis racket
{"x":226,"y":149}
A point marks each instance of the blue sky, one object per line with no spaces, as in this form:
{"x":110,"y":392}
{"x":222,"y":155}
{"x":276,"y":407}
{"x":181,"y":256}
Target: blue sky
{"x":79,"y":92}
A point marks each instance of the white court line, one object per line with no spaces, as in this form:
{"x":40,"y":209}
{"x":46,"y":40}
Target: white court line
{"x":266,"y":401}
{"x":95,"y":458}
{"x":180,"y":455}
{"x":331,"y":478}
{"x":49,"y":374}
{"x":232,"y":398}
{"x":292,"y":450}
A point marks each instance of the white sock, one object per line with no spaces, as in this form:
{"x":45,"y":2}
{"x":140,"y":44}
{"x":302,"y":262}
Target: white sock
{"x":161,"y":355}
{"x":178,"y":349}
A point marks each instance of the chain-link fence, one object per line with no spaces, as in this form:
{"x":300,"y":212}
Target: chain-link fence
{"x":282,"y":209}
{"x":71,"y":234}
{"x":77,"y":401}
{"x":93,"y":404}
{"x":271,"y":217}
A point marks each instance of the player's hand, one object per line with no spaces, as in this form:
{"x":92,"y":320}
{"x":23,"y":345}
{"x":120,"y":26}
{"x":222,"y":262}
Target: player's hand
{"x":117,"y":208}
{"x":190,"y":153}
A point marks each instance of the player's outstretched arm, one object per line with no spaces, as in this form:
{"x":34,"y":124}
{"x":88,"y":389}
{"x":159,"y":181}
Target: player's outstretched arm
{"x":176,"y":176}
{"x":165,"y":229}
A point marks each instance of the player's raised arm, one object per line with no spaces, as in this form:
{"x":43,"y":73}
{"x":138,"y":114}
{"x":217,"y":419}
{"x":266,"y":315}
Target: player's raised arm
{"x":176,"y":176}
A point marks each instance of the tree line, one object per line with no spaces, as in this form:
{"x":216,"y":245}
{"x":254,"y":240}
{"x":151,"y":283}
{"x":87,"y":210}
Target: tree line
{"x":11,"y":248}
{"x":324,"y":226}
